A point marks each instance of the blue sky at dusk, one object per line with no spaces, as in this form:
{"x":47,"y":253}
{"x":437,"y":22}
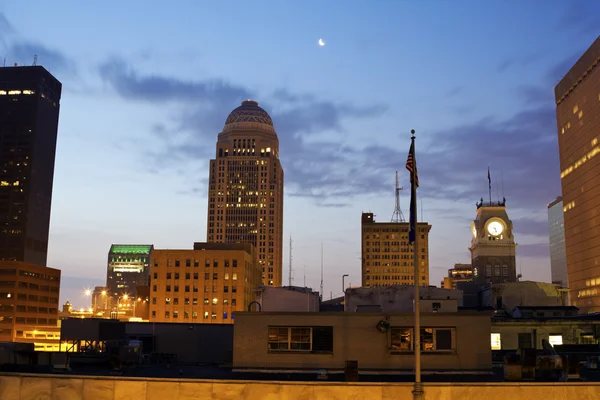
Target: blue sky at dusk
{"x":147,"y":87}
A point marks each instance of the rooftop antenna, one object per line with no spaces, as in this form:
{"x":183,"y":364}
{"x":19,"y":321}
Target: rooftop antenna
{"x":290,"y":273}
{"x":397,"y":216}
{"x":321,"y":270}
{"x":35,"y":59}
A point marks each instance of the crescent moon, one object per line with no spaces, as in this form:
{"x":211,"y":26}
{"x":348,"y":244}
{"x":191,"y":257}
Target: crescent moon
{"x":321,"y":42}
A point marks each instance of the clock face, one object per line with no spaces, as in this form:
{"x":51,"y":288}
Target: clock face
{"x":474,"y":230}
{"x":495,"y":228}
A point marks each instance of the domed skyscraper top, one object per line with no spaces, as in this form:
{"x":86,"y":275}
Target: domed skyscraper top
{"x":249,"y":111}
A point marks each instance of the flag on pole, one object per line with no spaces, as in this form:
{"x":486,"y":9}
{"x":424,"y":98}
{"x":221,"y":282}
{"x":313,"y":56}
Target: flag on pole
{"x":489,"y":179}
{"x":411,"y":166}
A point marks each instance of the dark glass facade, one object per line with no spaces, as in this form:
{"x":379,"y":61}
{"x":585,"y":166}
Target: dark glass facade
{"x":128,"y":267}
{"x":29,"y":109}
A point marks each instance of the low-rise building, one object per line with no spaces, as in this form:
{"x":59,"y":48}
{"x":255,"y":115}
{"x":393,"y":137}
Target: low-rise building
{"x":287,"y":299}
{"x":376,"y":341}
{"x":507,"y":296}
{"x":460,"y":273}
{"x":400,"y":298}
{"x":29,"y":304}
{"x":204,"y":285}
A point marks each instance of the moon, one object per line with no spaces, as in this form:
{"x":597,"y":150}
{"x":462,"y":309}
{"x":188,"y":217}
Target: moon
{"x":321,"y":42}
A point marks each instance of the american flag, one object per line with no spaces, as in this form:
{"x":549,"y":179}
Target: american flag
{"x":411,"y":165}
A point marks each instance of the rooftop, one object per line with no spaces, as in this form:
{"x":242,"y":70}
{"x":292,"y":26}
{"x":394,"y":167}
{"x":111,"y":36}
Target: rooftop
{"x":131,"y":248}
{"x":249,"y":111}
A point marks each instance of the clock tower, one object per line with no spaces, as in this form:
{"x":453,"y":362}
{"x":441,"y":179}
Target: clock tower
{"x":493,"y":244}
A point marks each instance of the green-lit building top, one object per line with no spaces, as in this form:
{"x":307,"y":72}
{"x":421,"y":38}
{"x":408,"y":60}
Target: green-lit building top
{"x":131,"y":249}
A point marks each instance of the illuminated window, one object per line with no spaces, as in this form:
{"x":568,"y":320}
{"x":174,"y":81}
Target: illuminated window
{"x":214,"y":301}
{"x":555,"y":340}
{"x":3,"y":93}
{"x":28,"y":92}
{"x":14,"y":92}
{"x":580,"y":114}
{"x":496,"y":341}
{"x":576,"y":108}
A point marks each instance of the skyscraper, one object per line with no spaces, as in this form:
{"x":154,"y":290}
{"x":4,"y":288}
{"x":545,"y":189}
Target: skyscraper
{"x":387,"y":257}
{"x":556,"y":229}
{"x":245,"y":196}
{"x":29,"y":108}
{"x":128,"y":267}
{"x":577,"y":116}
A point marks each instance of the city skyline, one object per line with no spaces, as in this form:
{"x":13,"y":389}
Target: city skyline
{"x":148,"y":113}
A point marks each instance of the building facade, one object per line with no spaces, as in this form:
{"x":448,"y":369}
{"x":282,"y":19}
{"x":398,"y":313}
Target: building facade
{"x":387,"y":258}
{"x":128,"y":267}
{"x":29,"y":304}
{"x":401,"y":298}
{"x":29,"y":108}
{"x":204,"y":285}
{"x":245,"y":196}
{"x":287,"y":299}
{"x":556,"y":229}
{"x":578,"y":124}
{"x":457,"y":341}
{"x":493,"y":247}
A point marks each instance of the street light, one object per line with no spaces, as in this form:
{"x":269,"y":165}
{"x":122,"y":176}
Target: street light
{"x":343,"y":284}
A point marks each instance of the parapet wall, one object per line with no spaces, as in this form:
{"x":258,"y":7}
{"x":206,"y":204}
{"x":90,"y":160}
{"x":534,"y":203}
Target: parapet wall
{"x":65,"y":387}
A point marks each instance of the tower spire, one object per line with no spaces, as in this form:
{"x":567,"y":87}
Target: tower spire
{"x":397,"y":216}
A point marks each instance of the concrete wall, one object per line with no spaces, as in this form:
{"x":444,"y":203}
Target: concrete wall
{"x":399,"y":298}
{"x":356,"y":338}
{"x":55,"y":387}
{"x":287,"y":299}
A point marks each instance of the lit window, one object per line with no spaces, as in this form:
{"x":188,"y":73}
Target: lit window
{"x":28,"y":92}
{"x":576,"y":108}
{"x":214,"y":301}
{"x":496,"y":341}
{"x":555,"y":340}
{"x":234,"y":276}
{"x":580,"y":114}
{"x":14,"y":92}
{"x":2,"y":92}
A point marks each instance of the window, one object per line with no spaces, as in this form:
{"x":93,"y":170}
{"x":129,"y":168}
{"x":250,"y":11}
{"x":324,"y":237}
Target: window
{"x":215,"y":300}
{"x":316,"y":339}
{"x":555,"y":339}
{"x":432,"y":339}
{"x":177,"y":263}
{"x":225,"y":315}
{"x":496,"y":341}
{"x":289,"y":339}
{"x":205,"y":300}
{"x":234,"y":263}
{"x":234,"y":276}
{"x":205,"y":314}
{"x":188,"y":263}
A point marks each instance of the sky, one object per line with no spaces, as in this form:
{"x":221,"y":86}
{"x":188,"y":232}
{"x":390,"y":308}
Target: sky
{"x":147,"y":86}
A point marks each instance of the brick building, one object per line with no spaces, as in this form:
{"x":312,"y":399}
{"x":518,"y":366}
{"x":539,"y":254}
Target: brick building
{"x":29,"y":304}
{"x":206,"y":285}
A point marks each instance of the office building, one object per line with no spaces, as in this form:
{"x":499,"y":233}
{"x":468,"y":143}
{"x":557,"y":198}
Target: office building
{"x":245,"y":197}
{"x":387,"y":258}
{"x":460,"y":273}
{"x":128,"y":267}
{"x":556,"y":229}
{"x":29,"y":108}
{"x":29,"y":304}
{"x":493,"y":247}
{"x":204,"y":285}
{"x":578,"y":124}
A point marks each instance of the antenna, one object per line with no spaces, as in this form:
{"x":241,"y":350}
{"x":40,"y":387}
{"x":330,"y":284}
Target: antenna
{"x":305,"y":276}
{"x":35,"y":59}
{"x":290,"y":273}
{"x":397,"y":215}
{"x":321,"y":270}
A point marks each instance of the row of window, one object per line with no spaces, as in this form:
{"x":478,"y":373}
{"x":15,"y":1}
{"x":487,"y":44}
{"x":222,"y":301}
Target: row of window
{"x":194,"y":314}
{"x":319,"y":339}
{"x":188,"y":276}
{"x":194,"y":301}
{"x":193,"y":288}
{"x":207,"y":263}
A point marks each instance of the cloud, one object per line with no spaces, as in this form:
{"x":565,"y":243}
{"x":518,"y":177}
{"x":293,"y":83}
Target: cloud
{"x":529,"y":226}
{"x":23,"y":51}
{"x":204,"y":105}
{"x":536,"y":250}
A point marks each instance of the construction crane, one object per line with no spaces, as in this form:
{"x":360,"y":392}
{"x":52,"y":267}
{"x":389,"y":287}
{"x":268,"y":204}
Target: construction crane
{"x":397,"y":216}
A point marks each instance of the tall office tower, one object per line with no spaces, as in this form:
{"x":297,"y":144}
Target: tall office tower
{"x":556,"y":229}
{"x":127,"y":269}
{"x":578,"y":122}
{"x":29,"y":107}
{"x":387,"y":258}
{"x":245,"y":196}
{"x":493,"y":245}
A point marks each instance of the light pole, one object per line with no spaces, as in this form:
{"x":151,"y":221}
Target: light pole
{"x":88,"y":293}
{"x":343,"y":283}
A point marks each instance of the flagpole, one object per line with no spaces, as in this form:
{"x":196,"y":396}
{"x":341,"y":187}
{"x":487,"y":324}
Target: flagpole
{"x":418,"y":386}
{"x":490,"y":184}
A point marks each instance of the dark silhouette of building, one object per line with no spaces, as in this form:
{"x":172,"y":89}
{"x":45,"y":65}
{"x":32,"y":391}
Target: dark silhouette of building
{"x":29,"y":108}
